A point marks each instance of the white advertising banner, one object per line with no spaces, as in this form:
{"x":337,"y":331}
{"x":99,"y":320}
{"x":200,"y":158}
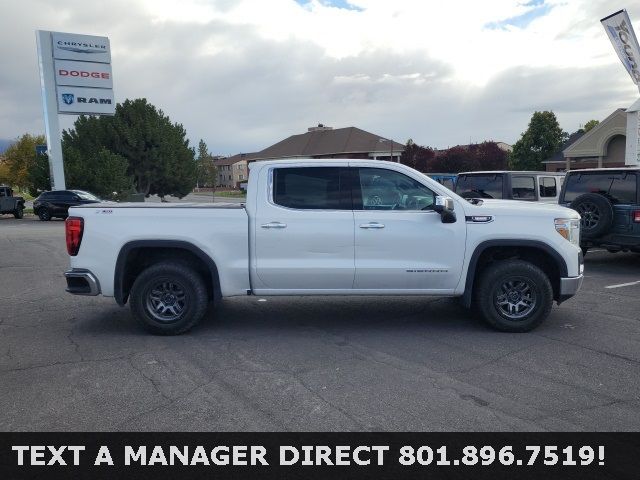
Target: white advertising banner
{"x":82,"y":100}
{"x":83,"y":74}
{"x":87,"y":48}
{"x":620,"y":32}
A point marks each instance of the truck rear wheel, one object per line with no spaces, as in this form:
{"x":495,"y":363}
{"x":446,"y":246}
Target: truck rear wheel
{"x":169,"y":298}
{"x":514,"y":295}
{"x":18,"y":212}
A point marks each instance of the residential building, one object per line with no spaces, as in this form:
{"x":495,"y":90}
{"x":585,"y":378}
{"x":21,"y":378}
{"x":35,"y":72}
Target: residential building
{"x":326,"y":142}
{"x":232,"y":170}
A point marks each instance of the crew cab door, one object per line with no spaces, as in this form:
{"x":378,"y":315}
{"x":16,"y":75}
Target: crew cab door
{"x":401,"y":244}
{"x":303,"y":230}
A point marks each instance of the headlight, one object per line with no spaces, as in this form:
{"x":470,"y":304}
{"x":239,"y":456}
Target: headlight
{"x":569,"y":228}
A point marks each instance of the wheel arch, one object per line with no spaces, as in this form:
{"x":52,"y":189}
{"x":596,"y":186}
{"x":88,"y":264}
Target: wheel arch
{"x":137,"y":255}
{"x":489,"y":251}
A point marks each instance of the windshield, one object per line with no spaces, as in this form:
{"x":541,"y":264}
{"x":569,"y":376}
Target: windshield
{"x":479,"y":186}
{"x":86,"y":195}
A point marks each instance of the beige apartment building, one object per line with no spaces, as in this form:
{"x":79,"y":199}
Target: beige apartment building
{"x":232,"y":171}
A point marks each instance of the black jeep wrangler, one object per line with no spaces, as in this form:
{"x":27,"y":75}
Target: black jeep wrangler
{"x":608,"y":200}
{"x":9,"y":203}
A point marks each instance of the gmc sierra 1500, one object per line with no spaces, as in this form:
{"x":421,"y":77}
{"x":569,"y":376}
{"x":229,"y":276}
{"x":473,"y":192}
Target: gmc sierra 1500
{"x":328,"y":227}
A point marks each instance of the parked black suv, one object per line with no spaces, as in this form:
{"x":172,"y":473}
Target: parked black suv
{"x":57,"y":202}
{"x":608,"y":200}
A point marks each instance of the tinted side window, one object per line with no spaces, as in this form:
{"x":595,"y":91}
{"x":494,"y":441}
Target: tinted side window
{"x":548,"y":187}
{"x":523,"y":188}
{"x":479,"y":186}
{"x":307,"y":188}
{"x":618,"y":187}
{"x":67,"y":196}
{"x":382,"y":189}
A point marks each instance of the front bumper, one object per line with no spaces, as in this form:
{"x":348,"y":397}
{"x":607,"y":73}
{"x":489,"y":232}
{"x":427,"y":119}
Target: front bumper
{"x":82,"y":282}
{"x":569,"y":287}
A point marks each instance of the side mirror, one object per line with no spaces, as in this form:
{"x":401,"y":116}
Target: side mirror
{"x":445,"y":207}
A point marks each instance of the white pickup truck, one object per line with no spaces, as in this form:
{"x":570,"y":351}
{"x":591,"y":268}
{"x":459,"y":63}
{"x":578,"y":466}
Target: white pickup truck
{"x":328,"y":227}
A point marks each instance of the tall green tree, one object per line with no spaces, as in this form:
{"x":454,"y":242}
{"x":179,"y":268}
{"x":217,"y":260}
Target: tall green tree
{"x":39,"y":175}
{"x":590,"y":124}
{"x":157,"y":152}
{"x":102,"y":172}
{"x":202,"y":159}
{"x":19,"y":158}
{"x":541,"y":140}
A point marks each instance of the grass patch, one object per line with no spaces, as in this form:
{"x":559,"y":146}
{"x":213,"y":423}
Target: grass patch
{"x":231,"y":193}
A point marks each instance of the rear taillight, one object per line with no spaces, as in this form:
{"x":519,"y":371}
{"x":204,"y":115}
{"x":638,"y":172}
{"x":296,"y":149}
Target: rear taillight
{"x":636,"y":216}
{"x":74,"y":226}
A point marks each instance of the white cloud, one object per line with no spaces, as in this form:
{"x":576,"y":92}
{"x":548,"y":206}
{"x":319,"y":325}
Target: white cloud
{"x":243,"y":74}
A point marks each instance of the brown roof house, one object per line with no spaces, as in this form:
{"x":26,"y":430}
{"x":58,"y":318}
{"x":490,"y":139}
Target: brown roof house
{"x":317,"y":142}
{"x":327,"y":142}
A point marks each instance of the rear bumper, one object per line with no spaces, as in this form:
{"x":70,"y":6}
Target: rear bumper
{"x":569,"y":287}
{"x":82,"y":282}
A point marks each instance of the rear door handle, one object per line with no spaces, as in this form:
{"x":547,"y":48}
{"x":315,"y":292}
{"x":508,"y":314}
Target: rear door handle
{"x":372,"y":225}
{"x":274,"y":225}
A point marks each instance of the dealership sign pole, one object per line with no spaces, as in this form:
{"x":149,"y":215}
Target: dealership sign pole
{"x":620,"y":31}
{"x":75,"y":78}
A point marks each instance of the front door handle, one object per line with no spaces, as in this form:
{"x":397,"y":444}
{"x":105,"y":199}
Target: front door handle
{"x":372,"y":225}
{"x":274,"y":225}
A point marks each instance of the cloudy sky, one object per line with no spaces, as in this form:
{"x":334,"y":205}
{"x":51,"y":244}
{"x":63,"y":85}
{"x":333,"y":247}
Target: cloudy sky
{"x":243,"y":74}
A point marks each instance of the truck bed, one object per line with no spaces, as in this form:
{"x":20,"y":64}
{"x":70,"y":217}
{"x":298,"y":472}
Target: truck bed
{"x":219,"y":230}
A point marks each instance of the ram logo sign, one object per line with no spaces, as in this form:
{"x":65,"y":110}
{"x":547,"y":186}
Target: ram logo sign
{"x":80,"y":100}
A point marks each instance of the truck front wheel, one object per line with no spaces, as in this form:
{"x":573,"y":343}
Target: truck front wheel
{"x":514,"y":295}
{"x":169,"y":298}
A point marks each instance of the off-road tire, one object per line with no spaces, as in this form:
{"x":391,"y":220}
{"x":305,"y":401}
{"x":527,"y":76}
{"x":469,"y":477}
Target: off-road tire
{"x":596,"y":214}
{"x":44,"y":214}
{"x":491,"y":291}
{"x":146,"y":307}
{"x":18,"y":212}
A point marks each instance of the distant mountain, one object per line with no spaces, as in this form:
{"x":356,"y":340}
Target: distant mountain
{"x":4,"y":144}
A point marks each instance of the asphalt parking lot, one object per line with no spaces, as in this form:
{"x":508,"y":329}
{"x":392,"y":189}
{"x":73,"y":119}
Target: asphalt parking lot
{"x":372,"y":363}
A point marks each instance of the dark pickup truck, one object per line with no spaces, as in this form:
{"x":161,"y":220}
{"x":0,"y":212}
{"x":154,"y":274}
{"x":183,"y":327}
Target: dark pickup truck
{"x":9,"y":203}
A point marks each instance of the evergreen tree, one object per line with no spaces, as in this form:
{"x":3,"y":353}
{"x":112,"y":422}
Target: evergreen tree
{"x":541,"y":140}
{"x":157,"y":152}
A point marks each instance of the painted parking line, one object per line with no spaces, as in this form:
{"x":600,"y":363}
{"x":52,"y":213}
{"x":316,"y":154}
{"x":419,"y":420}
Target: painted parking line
{"x":623,"y":284}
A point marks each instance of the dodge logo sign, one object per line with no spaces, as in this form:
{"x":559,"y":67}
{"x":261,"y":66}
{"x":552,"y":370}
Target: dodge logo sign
{"x":67,"y":98}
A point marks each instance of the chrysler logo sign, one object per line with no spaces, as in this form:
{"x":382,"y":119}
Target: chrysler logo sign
{"x":86,"y":48}
{"x":81,"y":47}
